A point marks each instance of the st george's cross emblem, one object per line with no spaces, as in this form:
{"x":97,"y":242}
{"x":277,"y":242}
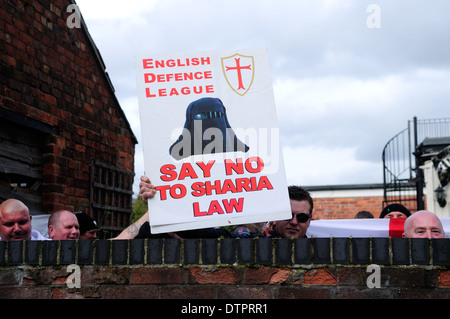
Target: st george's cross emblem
{"x":239,"y":71}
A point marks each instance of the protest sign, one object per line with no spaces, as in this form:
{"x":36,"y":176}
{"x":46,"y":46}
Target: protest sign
{"x":211,"y":139}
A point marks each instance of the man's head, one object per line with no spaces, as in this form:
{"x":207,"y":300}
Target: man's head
{"x":302,"y":208}
{"x":15,"y":220}
{"x":423,"y":224}
{"x":63,"y":225}
{"x":88,"y":226}
{"x":395,"y":210}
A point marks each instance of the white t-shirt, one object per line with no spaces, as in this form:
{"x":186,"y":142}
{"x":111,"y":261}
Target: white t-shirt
{"x":35,"y":235}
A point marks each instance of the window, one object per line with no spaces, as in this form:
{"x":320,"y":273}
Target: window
{"x":21,"y":149}
{"x":111,"y":198}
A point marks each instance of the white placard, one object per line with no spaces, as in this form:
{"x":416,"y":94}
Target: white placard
{"x":211,"y":139}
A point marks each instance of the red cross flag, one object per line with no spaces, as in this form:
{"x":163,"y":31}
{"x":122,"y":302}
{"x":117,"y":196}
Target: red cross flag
{"x":364,"y":227}
{"x":210,"y":139}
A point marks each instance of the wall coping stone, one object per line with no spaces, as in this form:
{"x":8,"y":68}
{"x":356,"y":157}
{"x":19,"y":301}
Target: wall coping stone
{"x":229,"y":251}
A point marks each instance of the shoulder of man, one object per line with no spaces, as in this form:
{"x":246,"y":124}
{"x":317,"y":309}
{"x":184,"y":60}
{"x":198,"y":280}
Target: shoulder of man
{"x":35,"y":235}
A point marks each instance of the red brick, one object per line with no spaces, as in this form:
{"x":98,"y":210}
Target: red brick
{"x":80,"y":148}
{"x":104,"y":275}
{"x":165,"y":275}
{"x":266,"y":275}
{"x":35,"y":292}
{"x":12,"y":62}
{"x":244,"y":292}
{"x":319,"y":277}
{"x":131,"y":292}
{"x":215,"y":275}
{"x":42,"y":116}
{"x":345,"y":207}
{"x":88,"y":108}
{"x":50,"y":169}
{"x":187,"y":292}
{"x":444,"y":278}
{"x":45,"y":276}
{"x":61,"y":293}
{"x":53,"y":149}
{"x":10,"y":277}
{"x":314,"y":292}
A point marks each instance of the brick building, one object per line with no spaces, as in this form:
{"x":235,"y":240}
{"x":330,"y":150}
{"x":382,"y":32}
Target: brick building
{"x":65,"y":142}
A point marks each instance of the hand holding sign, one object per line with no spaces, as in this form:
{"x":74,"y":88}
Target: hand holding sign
{"x":146,"y":188}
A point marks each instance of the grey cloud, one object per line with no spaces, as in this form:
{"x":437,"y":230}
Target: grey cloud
{"x":325,"y":43}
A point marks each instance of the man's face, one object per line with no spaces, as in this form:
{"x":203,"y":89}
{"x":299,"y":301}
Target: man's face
{"x":90,"y":234}
{"x":395,"y":215}
{"x":425,"y":226}
{"x":292,"y":228}
{"x":66,"y":229}
{"x":15,"y":225}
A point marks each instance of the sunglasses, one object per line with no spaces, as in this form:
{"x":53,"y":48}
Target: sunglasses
{"x":301,"y":217}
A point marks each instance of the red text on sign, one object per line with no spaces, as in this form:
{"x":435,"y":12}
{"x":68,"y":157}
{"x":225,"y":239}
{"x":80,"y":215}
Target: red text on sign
{"x":150,"y":77}
{"x":199,"y":89}
{"x":170,"y":63}
{"x":238,"y":166}
{"x":186,"y":170}
{"x":234,"y":186}
{"x":227,"y":206}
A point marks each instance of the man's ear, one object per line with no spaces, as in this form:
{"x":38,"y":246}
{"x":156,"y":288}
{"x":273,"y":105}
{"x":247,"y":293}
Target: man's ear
{"x":51,"y":231}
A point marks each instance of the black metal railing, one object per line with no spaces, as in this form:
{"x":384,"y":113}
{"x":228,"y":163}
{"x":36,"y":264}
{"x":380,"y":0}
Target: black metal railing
{"x":402,"y":157}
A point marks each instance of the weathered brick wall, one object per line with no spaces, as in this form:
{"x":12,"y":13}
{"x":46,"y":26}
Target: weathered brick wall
{"x":346,"y":207}
{"x":54,"y":74}
{"x":227,"y":268}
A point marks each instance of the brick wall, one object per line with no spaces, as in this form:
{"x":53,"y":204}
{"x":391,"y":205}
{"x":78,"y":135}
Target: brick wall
{"x":346,"y":207}
{"x":227,"y":268}
{"x":54,"y":74}
{"x":345,"y":201}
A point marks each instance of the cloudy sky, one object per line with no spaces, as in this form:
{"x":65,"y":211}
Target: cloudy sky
{"x":347,"y":75}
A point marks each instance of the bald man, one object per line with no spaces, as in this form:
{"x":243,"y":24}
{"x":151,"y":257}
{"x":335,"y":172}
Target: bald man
{"x":15,"y":222}
{"x":423,"y":224}
{"x":63,"y":225}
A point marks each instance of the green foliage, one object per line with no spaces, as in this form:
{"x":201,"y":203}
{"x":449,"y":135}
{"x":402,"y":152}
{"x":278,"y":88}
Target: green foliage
{"x":139,"y":209}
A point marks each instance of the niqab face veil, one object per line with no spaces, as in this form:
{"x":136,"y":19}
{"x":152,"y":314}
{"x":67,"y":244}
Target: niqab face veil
{"x":206,"y":131}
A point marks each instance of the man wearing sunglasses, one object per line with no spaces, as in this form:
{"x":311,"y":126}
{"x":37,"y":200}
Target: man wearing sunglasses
{"x":296,"y":227}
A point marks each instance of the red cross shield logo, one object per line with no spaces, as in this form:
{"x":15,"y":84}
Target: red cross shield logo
{"x":239,"y":71}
